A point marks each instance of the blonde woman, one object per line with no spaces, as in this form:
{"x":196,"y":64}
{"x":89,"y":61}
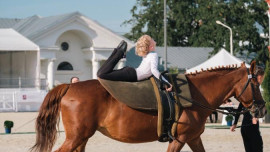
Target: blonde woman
{"x":145,"y":48}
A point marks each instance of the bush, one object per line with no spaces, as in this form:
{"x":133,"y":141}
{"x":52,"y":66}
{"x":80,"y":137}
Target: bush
{"x":173,"y":70}
{"x":266,"y":86}
{"x":229,"y":117}
{"x":8,"y":124}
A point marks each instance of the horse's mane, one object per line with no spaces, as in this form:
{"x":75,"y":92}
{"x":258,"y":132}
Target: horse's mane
{"x":217,"y":68}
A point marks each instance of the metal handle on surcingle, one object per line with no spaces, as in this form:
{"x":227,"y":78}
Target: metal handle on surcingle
{"x":163,"y":82}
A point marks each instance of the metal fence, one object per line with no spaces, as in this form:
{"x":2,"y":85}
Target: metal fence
{"x":21,"y":100}
{"x":23,"y":83}
{"x":7,"y":101}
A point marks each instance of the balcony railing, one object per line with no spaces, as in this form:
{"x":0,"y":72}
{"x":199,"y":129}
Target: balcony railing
{"x":23,"y":83}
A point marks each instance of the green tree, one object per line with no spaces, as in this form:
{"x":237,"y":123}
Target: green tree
{"x":193,"y":23}
{"x":266,"y":87}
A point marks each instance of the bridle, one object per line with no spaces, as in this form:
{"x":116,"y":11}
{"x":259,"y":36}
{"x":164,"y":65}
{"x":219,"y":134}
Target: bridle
{"x":255,"y":103}
{"x":250,"y":77}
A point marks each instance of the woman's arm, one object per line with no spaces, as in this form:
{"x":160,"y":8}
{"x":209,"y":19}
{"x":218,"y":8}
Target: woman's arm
{"x":154,"y":65}
{"x":239,"y":109}
{"x":156,"y":73}
{"x":232,"y":128}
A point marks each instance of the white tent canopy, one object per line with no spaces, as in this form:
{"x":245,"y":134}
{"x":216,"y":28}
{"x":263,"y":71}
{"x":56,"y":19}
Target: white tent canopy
{"x":19,"y":60}
{"x":10,"y":40}
{"x":222,"y":58}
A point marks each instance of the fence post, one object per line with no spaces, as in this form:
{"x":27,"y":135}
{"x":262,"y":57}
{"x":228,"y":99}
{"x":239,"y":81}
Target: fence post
{"x":20,"y":82}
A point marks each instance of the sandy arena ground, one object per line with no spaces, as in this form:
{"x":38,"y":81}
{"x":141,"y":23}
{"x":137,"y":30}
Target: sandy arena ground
{"x":23,"y":137}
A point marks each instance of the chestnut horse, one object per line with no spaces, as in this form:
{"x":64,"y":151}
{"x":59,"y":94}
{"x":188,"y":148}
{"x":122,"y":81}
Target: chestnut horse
{"x":87,"y":107}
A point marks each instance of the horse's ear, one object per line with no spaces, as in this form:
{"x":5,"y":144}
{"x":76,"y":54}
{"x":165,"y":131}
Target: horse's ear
{"x":242,"y":64}
{"x":252,"y":67}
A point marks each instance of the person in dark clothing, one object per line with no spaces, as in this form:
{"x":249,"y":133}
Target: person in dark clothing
{"x":250,"y":132}
{"x":216,"y":117}
{"x":250,"y":126}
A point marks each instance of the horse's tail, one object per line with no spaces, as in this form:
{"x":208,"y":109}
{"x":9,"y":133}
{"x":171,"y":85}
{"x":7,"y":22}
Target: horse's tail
{"x":47,"y":119}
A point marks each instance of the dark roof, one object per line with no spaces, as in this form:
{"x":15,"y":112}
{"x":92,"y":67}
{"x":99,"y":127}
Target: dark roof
{"x":181,"y":57}
{"x":184,"y":57}
{"x":133,"y":60}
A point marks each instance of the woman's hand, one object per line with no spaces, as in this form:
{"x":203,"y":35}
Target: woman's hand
{"x":254,"y":121}
{"x":233,"y":128}
{"x":168,"y":89}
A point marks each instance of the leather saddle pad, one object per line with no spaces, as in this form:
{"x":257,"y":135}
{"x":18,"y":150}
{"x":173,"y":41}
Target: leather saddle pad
{"x":143,"y":95}
{"x":181,"y":89}
{"x":137,"y":95}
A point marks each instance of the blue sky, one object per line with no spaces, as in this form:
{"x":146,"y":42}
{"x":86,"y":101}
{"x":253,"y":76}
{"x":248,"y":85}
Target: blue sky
{"x":110,"y":13}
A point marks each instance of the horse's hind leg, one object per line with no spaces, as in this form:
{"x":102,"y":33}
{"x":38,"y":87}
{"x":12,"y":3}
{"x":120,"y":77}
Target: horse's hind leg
{"x":67,"y":146}
{"x":81,"y":148}
{"x":75,"y":144}
{"x":175,"y":146}
{"x":196,"y":145}
{"x":78,"y":129}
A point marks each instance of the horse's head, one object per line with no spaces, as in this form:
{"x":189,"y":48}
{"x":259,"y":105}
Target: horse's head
{"x":249,"y":94}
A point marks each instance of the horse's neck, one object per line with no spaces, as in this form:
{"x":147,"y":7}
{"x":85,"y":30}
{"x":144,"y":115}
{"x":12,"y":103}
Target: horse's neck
{"x":216,"y":86}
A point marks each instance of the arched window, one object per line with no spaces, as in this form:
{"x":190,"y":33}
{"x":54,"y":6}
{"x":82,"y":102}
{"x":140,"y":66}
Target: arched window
{"x":65,"y":66}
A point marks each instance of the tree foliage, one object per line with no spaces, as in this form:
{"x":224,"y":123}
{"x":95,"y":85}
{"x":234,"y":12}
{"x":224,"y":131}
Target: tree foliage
{"x":266,"y":86}
{"x":193,"y":23}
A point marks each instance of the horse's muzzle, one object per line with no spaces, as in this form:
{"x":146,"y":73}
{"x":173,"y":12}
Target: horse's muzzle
{"x":259,"y":110}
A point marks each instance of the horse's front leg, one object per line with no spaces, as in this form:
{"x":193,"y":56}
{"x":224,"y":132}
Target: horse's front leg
{"x":196,"y":145}
{"x":175,"y":146}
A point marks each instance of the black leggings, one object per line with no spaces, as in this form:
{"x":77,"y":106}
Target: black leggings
{"x":125,"y":74}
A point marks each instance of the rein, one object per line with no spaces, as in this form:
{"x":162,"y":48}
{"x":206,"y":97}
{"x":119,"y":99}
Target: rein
{"x":212,"y":109}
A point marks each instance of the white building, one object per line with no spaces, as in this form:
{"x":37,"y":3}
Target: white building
{"x":69,"y":44}
{"x":37,"y":53}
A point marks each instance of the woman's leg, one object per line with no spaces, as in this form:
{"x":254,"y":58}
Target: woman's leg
{"x":110,"y":63}
{"x":127,"y":74}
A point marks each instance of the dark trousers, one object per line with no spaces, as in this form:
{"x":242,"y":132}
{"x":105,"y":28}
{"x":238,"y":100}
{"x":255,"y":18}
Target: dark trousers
{"x":216,"y":117}
{"x":107,"y":71}
{"x":252,"y":138}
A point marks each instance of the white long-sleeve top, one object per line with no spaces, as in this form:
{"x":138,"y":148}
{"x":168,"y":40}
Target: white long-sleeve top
{"x":148,"y":67}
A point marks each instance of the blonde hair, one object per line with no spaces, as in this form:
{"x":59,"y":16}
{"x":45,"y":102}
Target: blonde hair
{"x":142,"y":45}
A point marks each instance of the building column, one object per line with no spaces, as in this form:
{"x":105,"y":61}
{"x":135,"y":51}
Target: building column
{"x":50,"y":73}
{"x":37,"y":79}
{"x":95,"y":67}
